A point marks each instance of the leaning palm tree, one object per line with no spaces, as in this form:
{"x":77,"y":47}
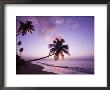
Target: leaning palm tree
{"x":57,"y":48}
{"x":25,"y":27}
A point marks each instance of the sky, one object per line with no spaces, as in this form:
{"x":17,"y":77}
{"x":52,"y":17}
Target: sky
{"x":77,"y":31}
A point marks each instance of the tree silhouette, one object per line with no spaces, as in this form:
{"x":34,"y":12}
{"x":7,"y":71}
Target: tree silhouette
{"x":21,"y":50}
{"x":19,"y":43}
{"x":25,"y":27}
{"x":57,"y":48}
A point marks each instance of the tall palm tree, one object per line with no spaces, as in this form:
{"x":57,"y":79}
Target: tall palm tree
{"x":57,"y":48}
{"x":25,"y":27}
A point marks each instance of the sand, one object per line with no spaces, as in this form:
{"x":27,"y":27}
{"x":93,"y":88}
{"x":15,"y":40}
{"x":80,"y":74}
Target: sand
{"x":29,"y":68}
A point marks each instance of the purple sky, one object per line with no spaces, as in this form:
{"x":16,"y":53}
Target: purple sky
{"x":78,"y":32}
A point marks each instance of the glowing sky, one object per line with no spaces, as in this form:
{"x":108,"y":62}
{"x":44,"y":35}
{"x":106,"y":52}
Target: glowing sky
{"x":78,"y":32}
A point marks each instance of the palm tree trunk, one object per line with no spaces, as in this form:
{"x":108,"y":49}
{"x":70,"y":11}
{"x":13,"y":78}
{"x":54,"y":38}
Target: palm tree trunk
{"x":41,"y":58}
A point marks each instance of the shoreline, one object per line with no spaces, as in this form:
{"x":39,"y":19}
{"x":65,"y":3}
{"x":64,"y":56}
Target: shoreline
{"x":29,"y":68}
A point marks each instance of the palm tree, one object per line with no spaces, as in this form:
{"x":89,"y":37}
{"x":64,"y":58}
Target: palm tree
{"x":25,"y":27}
{"x":21,"y":50}
{"x":56,"y":49}
{"x":19,"y":43}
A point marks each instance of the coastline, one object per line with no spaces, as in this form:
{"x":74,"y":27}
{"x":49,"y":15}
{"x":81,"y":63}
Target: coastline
{"x":29,"y":68}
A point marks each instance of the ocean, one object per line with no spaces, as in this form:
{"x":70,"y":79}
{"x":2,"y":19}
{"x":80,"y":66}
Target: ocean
{"x":67,"y":66}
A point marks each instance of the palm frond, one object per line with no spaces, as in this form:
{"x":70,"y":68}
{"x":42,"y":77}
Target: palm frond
{"x":65,"y":47}
{"x":19,"y":30}
{"x":25,"y":27}
{"x":62,"y":40}
{"x":65,"y":51}
{"x":54,"y":41}
{"x":19,"y":43}
{"x":21,"y":23}
{"x":32,"y":27}
{"x":21,"y":49}
{"x":51,"y":45}
{"x":52,"y":50}
{"x":24,"y":33}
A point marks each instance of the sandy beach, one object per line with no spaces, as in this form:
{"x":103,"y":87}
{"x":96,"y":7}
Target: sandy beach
{"x":29,"y":68}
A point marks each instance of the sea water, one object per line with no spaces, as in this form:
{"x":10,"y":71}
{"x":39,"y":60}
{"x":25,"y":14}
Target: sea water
{"x":69,"y":66}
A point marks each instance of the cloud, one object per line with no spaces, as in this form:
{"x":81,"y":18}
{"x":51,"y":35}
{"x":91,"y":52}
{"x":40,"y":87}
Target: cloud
{"x":73,"y":23}
{"x":59,"y":21}
{"x":33,"y":19}
{"x":47,"y":27}
{"x":44,"y":25}
{"x":56,"y":36}
{"x":51,"y":37}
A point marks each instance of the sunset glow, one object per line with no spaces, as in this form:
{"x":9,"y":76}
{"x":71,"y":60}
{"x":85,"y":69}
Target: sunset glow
{"x":77,"y":31}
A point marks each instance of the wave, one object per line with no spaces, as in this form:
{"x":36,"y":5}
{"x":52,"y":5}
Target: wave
{"x":84,"y":70}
